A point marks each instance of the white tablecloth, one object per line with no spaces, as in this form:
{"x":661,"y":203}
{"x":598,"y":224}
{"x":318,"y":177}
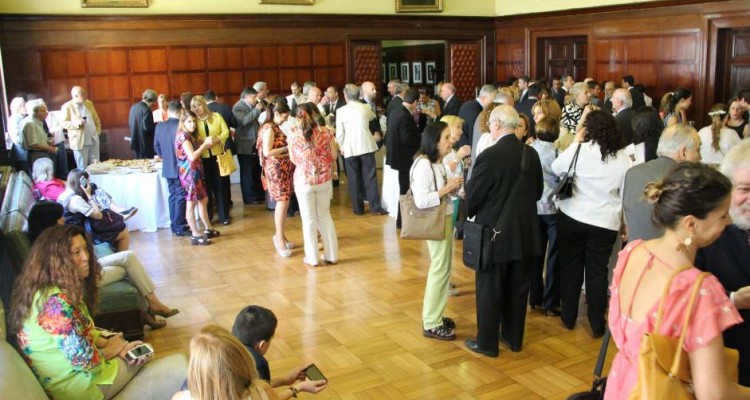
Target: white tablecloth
{"x":389,"y":194}
{"x":146,"y":191}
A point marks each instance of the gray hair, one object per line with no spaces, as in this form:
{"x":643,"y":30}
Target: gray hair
{"x":579,"y":88}
{"x":502,"y":98}
{"x":307,"y":86}
{"x":43,"y":170}
{"x":260,"y":85}
{"x":675,"y":137}
{"x":32,"y":106}
{"x":402,"y":88}
{"x":624,"y":96}
{"x":16,"y":104}
{"x":149,"y":95}
{"x":488,"y":91}
{"x":738,"y":157}
{"x":351,"y":91}
{"x":506,"y":115}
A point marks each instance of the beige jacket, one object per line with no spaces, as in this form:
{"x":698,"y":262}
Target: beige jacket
{"x":72,"y":122}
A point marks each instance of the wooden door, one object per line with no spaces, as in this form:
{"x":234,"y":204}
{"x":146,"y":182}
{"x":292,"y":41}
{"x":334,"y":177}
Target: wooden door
{"x":733,"y":63}
{"x":562,"y":56}
{"x":366,"y":61}
{"x":465,"y":60}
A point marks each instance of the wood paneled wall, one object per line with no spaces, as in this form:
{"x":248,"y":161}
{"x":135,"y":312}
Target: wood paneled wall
{"x":116,"y":58}
{"x":664,"y":45}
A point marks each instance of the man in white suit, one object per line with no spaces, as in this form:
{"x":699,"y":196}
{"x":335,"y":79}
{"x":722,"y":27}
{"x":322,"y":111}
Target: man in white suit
{"x":358,"y":148}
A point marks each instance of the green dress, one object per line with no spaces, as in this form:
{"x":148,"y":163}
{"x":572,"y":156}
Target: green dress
{"x":57,"y":341}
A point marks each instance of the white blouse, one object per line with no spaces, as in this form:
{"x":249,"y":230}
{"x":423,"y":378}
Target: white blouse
{"x":597,"y":185}
{"x":426,"y":179}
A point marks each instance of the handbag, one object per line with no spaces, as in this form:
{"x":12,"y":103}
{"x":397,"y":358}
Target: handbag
{"x":422,"y":223}
{"x":600,"y":382}
{"x":226,"y":162}
{"x":108,"y":227}
{"x":663,"y":365}
{"x":564,"y":187}
{"x":478,"y":238}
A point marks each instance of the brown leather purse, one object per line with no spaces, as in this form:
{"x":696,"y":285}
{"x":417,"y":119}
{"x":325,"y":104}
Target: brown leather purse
{"x":663,"y":364}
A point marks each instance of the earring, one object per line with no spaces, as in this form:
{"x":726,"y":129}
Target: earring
{"x":688,"y":241}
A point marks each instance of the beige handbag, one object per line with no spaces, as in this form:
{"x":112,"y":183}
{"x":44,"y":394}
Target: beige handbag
{"x":663,"y":364}
{"x":422,"y":223}
{"x":226,"y":163}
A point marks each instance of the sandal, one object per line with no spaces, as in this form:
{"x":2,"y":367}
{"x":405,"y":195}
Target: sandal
{"x":282,"y":250}
{"x":449,"y":323}
{"x":172,"y":312}
{"x":211,"y":233}
{"x":199,"y":241}
{"x":441,"y":332}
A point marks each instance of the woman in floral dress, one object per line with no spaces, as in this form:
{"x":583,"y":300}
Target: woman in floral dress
{"x":191,"y":176}
{"x":278,"y":170}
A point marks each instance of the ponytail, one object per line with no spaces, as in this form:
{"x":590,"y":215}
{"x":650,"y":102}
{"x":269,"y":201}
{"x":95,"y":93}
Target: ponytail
{"x":717,"y":122}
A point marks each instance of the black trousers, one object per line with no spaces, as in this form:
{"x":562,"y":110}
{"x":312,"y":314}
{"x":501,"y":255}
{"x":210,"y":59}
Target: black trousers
{"x":502,"y":294}
{"x":250,"y":170}
{"x":403,"y":187}
{"x":362,"y":173}
{"x":546,"y":292}
{"x":177,"y":206}
{"x":218,"y":186}
{"x":584,"y":248}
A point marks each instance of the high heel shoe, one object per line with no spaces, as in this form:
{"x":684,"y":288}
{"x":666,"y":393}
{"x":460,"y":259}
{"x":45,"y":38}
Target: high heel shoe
{"x":281,"y":248}
{"x":171,"y":313}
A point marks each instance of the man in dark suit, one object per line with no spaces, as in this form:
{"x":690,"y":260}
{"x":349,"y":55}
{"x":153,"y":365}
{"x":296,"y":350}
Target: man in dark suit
{"x":503,"y":290}
{"x":524,"y":106}
{"x":609,"y":90}
{"x":452,"y":102}
{"x":397,"y":99}
{"x":728,"y":258}
{"x":523,"y":87}
{"x":141,"y":122}
{"x":334,"y":101}
{"x":470,"y":110}
{"x":164,"y":148}
{"x":628,"y":82}
{"x":246,"y":112}
{"x":402,"y":141}
{"x":226,"y":113}
{"x":567,"y":84}
{"x":621,"y":103}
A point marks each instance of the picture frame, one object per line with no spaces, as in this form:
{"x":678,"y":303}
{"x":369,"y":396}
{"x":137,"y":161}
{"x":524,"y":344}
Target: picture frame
{"x":382,"y":73}
{"x":419,"y":6}
{"x":392,"y":71}
{"x":429,"y":67}
{"x":288,"y":2}
{"x":114,"y":3}
{"x":416,"y":72}
{"x":405,"y":72}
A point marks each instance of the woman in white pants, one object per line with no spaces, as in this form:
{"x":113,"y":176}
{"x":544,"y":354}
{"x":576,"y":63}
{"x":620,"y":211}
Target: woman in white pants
{"x":313,"y":150}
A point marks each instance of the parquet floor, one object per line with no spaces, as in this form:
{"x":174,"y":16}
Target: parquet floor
{"x":359,"y":320}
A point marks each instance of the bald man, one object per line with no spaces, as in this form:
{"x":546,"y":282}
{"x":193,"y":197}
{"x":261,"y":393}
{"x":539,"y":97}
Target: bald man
{"x":83,"y":125}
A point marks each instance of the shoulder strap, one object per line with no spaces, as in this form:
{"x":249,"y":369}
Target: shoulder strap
{"x":525,"y":165}
{"x":574,"y":161}
{"x":688,"y":316}
{"x":602,"y":354}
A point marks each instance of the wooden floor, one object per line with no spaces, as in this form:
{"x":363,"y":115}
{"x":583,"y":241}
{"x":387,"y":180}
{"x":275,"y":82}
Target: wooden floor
{"x":359,"y":320}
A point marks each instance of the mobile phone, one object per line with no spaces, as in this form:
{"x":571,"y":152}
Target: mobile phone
{"x":141,"y":352}
{"x":313,"y":373}
{"x":84,"y":181}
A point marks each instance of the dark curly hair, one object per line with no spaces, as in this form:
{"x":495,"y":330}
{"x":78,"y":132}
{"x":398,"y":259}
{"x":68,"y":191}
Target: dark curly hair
{"x":601,"y":128}
{"x":690,"y":188}
{"x":49,"y":264}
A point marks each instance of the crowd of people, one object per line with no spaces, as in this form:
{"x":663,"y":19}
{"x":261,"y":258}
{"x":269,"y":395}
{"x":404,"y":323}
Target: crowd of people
{"x":636,"y":176}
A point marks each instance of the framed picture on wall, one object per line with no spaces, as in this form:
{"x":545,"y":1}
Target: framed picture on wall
{"x":416,"y":72}
{"x":430,"y":72}
{"x":405,"y":6}
{"x":114,"y":3}
{"x":382,"y":73}
{"x":392,"y":71}
{"x":405,"y":72}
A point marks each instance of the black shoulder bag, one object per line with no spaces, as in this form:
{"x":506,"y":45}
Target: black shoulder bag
{"x":478,"y":238}
{"x":564,"y":188}
{"x":600,"y":382}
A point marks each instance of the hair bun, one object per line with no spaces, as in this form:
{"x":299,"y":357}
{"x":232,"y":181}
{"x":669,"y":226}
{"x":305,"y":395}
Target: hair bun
{"x":653,"y":191}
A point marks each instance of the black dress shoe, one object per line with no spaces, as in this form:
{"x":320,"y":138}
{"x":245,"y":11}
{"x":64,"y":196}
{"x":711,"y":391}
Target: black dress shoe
{"x":472,"y":345}
{"x":379,"y":212}
{"x":507,"y":344}
{"x":225,"y":222}
{"x":555,"y":312}
{"x":183,"y":233}
{"x":569,"y":326}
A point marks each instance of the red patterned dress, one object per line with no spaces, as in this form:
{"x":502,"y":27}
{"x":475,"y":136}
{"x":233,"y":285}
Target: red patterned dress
{"x":278,"y":170}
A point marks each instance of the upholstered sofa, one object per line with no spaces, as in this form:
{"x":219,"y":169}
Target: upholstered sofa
{"x":119,"y":303}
